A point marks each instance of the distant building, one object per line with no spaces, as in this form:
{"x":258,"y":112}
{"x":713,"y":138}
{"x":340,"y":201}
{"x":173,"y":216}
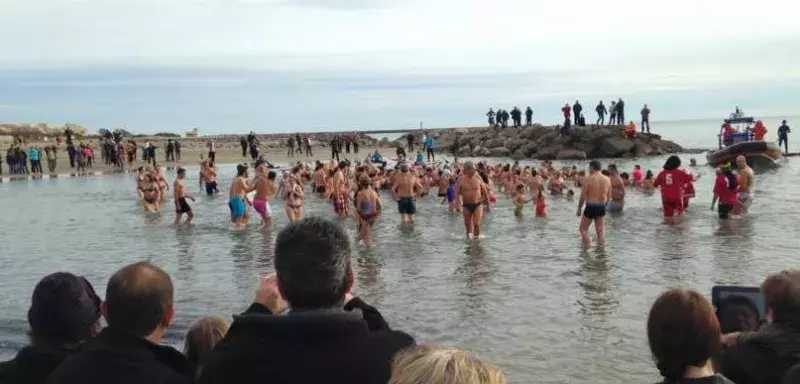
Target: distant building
{"x":193,"y":133}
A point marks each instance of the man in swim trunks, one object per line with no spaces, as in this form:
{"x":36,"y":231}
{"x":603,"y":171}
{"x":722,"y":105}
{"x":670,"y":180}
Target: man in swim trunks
{"x":595,"y":193}
{"x":210,"y":177}
{"x":293,"y":195}
{"x":368,"y":206}
{"x":265,"y":188}
{"x":181,"y":206}
{"x":319,"y":179}
{"x":405,"y":188}
{"x":617,"y":190}
{"x":747,"y":185}
{"x":238,"y":198}
{"x":473,"y":192}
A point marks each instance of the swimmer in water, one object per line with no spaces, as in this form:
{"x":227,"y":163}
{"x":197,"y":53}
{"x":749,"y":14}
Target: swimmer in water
{"x":647,"y":183}
{"x":320,"y":179}
{"x":473,"y":192}
{"x":163,"y":185}
{"x":595,"y":193}
{"x":294,"y":196}
{"x":451,"y":197}
{"x":405,"y":189}
{"x":141,"y":182}
{"x":747,"y":185}
{"x":265,"y":188}
{"x":520,"y":200}
{"x":181,"y":205}
{"x":368,"y":206}
{"x":210,"y":177}
{"x":617,"y":202}
{"x":671,"y":181}
{"x":150,"y":193}
{"x":238,"y":201}
{"x":638,"y":175}
{"x":541,"y":203}
{"x":571,"y":195}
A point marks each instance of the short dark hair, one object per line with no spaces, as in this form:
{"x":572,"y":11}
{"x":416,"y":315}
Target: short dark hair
{"x":682,"y":330}
{"x":595,"y":165}
{"x":782,"y":295}
{"x":312,"y":261}
{"x":137,"y":298}
{"x":612,"y":168}
{"x":272,"y":175}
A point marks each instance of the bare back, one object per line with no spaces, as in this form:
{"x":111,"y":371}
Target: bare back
{"x":596,"y":188}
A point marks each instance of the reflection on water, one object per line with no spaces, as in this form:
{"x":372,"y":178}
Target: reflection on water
{"x":527,"y":297}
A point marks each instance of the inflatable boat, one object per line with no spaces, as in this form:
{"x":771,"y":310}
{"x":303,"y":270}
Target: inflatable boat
{"x":736,"y":139}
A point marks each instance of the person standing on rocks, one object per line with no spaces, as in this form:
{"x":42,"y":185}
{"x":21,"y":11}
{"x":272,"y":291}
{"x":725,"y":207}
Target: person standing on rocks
{"x":516,"y":117}
{"x":505,"y":118}
{"x":646,"y":118}
{"x":577,"y":108}
{"x":612,"y":113}
{"x":490,"y":115}
{"x":621,"y":111}
{"x":410,"y":140}
{"x":528,"y":116}
{"x":566,"y":110}
{"x":601,"y":113}
{"x":595,"y":193}
{"x":430,"y":145}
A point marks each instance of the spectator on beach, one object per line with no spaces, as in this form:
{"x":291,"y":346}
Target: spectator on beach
{"x":212,"y":151}
{"x":566,"y":111}
{"x":577,"y":108}
{"x":307,"y":142}
{"x":243,"y":144}
{"x":434,"y":365}
{"x":355,"y":139}
{"x":321,"y":338}
{"x":138,"y":310}
{"x":783,"y":136}
{"x":620,"y":111}
{"x":35,"y":158}
{"x":335,"y":148}
{"x":290,"y":144}
{"x":684,"y":336}
{"x":764,"y":356}
{"x":430,"y":146}
{"x":490,"y":115}
{"x":170,"y":151}
{"x":601,"y":113}
{"x":612,"y":113}
{"x":64,"y":313}
{"x":201,"y":338}
{"x":645,"y":118}
{"x":528,"y":116}
{"x":177,"y":150}
{"x":410,"y":141}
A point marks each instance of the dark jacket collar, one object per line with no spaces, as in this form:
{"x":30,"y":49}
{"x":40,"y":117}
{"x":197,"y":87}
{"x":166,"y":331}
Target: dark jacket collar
{"x":310,"y":323}
{"x":111,"y":339}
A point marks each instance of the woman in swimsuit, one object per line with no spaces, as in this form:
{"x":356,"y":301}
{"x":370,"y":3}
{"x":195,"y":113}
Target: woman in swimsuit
{"x":163,"y":186}
{"x":293,"y":194}
{"x":150,"y":194}
{"x":141,"y":182}
{"x":368,"y":205}
{"x":647,"y":183}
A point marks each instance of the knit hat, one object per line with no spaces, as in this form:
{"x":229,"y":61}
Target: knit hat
{"x":63,"y":309}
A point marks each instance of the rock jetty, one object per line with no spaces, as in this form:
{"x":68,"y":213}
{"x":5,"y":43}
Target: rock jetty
{"x":547,"y":143}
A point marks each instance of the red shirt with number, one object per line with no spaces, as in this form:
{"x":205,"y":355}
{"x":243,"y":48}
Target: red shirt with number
{"x":671,"y":183}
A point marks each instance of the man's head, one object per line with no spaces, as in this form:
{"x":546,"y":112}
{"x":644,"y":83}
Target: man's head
{"x":783,"y":122}
{"x":782,"y":297}
{"x":271,"y":175}
{"x":612,"y":168}
{"x":139,"y":300}
{"x":595,"y":166}
{"x":741,"y":162}
{"x":312,"y":261}
{"x":241,"y":170}
{"x":181,"y":173}
{"x":64,"y":310}
{"x":404,"y":168}
{"x":469,"y":168}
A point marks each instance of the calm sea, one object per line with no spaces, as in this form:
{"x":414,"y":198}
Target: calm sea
{"x":527,"y":297}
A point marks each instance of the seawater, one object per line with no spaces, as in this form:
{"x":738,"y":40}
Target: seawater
{"x":527,"y":297}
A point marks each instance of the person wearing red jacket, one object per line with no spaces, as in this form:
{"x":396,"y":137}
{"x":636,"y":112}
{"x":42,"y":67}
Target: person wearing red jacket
{"x":671,"y":181}
{"x":725,"y":191}
{"x":567,"y":110}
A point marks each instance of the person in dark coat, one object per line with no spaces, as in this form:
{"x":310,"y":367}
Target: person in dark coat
{"x":765,"y":356}
{"x":64,"y":313}
{"x":528,"y":116}
{"x":323,"y":336}
{"x":601,"y":113}
{"x":577,"y":108}
{"x":138,"y":309}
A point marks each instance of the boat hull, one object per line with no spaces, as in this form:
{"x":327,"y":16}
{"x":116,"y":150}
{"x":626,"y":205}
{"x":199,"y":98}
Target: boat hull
{"x":759,"y":154}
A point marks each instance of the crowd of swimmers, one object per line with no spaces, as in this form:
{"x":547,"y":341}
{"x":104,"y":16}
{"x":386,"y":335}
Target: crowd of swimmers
{"x":307,"y":325}
{"x":470,"y":189}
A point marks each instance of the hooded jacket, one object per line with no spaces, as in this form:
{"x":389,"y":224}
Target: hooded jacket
{"x":762,"y":357}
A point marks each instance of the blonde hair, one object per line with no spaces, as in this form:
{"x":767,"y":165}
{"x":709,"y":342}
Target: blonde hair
{"x":433,"y":365}
{"x":202,"y":336}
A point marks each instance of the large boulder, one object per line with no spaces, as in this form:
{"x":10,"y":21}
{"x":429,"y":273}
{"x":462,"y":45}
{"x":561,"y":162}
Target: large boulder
{"x":499,"y":152}
{"x":480,"y":151}
{"x":548,"y":153}
{"x":494,"y":143}
{"x":616,"y":146}
{"x":464,"y":151}
{"x":514,"y":144}
{"x":571,"y":154}
{"x":519,"y":155}
{"x":534,"y":133}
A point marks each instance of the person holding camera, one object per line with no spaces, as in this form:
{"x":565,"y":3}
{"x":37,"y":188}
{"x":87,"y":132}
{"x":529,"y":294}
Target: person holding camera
{"x":765,"y":356}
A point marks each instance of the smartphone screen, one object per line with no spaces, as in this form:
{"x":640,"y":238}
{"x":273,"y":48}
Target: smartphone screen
{"x":738,"y":306}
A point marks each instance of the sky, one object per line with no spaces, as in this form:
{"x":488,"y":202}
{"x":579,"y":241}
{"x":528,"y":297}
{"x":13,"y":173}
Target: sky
{"x":230,"y":66}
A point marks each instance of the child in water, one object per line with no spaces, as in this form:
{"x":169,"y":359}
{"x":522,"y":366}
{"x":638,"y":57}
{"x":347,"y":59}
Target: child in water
{"x":541,"y":203}
{"x":451,"y":197}
{"x":571,"y":195}
{"x":519,"y":200}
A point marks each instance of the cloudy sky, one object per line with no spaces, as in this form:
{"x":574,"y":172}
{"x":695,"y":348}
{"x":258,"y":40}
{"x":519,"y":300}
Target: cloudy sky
{"x":286,"y":65}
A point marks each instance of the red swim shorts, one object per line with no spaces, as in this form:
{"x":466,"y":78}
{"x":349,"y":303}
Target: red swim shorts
{"x":671,"y":207}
